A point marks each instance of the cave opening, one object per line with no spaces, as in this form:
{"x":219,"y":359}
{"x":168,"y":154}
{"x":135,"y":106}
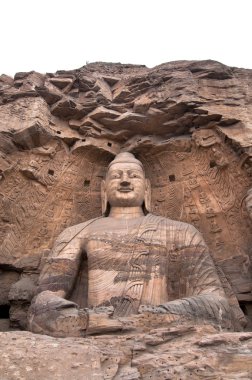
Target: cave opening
{"x":86,"y":183}
{"x":4,"y":311}
{"x":172,"y":178}
{"x":212,"y":164}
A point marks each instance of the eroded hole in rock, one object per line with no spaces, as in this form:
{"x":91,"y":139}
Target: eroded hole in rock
{"x":58,"y":132}
{"x":109,"y":144}
{"x":212,"y":164}
{"x":172,"y":178}
{"x":51,"y":172}
{"x":246,"y":307}
{"x":86,"y":183}
{"x":4,"y":311}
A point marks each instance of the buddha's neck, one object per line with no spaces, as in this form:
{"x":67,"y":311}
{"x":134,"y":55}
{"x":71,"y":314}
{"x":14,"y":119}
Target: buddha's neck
{"x":126,"y":212}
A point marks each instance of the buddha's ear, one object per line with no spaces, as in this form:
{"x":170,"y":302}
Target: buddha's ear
{"x":104,"y":199}
{"x":147,"y":196}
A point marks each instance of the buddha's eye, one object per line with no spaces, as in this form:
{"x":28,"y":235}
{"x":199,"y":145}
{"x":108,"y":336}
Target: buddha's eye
{"x":115,"y":176}
{"x":134,"y":175}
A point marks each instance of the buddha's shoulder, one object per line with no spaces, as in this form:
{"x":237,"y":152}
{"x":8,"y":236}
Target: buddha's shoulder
{"x":76,"y":230}
{"x":172,"y":224}
{"x":180,"y":233}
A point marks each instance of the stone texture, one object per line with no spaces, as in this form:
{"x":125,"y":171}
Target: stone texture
{"x":183,"y":352}
{"x":189,"y":122}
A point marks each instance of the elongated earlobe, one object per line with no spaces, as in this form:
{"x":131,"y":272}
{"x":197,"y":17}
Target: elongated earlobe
{"x":147,"y":197}
{"x":104,"y":199}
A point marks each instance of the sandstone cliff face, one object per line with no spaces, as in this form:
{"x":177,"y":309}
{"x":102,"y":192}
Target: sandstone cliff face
{"x":189,"y":122}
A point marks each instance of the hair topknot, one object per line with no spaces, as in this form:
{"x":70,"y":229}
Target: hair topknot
{"x":126,"y":157}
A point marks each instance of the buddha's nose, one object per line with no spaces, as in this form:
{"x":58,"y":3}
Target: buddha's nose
{"x":125,"y":180}
{"x":125,"y":183}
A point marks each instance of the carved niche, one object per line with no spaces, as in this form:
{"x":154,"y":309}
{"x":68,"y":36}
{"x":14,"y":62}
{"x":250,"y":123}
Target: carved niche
{"x":185,"y":122}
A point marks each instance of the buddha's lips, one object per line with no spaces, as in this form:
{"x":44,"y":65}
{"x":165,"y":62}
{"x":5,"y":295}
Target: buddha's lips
{"x":126,"y":190}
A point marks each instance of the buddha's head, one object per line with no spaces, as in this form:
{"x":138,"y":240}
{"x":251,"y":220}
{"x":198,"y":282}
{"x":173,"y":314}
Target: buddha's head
{"x":248,"y":203}
{"x":125,"y":184}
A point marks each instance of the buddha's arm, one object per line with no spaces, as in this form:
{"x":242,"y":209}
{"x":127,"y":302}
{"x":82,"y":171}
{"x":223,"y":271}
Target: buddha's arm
{"x":204,"y":296}
{"x":199,"y":288}
{"x":50,"y":313}
{"x":61,"y":267}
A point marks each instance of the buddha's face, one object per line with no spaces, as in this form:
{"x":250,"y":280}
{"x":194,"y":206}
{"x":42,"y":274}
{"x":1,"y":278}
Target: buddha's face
{"x":125,"y":185}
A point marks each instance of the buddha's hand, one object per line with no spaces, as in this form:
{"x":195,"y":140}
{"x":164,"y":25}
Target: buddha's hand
{"x":150,"y":309}
{"x":162,"y":312}
{"x":101,"y":320}
{"x":52,"y":315}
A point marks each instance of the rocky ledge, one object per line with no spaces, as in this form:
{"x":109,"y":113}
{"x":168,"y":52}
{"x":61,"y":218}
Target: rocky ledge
{"x":184,"y":352}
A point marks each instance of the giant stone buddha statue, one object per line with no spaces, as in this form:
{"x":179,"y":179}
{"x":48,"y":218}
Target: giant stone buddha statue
{"x":138,"y":263}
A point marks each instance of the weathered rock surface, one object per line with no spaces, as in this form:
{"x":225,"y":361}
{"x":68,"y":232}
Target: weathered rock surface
{"x":183,"y":352}
{"x":190,"y":123}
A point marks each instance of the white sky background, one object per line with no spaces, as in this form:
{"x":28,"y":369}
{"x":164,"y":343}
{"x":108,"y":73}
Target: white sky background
{"x":51,"y":35}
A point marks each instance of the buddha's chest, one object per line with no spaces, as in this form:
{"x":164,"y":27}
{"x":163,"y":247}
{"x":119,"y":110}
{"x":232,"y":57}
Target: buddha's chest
{"x":135,"y":272}
{"x":121,"y":259}
{"x":126,"y":253}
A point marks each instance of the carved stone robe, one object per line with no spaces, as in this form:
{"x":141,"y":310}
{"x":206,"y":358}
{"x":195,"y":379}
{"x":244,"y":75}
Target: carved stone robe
{"x":160,"y":262}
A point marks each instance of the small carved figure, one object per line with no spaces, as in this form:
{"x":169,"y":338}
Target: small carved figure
{"x":219,"y":158}
{"x":248,"y":203}
{"x":138,"y":263}
{"x":206,"y":138}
